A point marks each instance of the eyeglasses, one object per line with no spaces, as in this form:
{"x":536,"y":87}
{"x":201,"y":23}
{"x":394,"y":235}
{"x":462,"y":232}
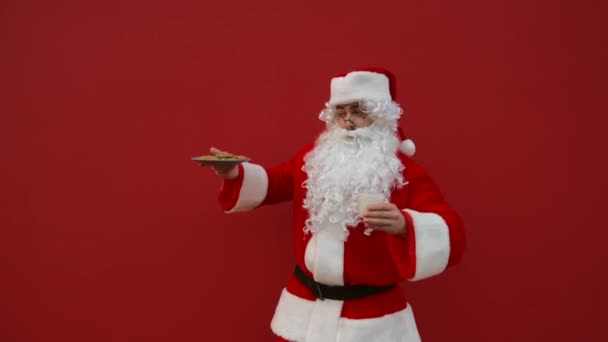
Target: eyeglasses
{"x":355,"y":113}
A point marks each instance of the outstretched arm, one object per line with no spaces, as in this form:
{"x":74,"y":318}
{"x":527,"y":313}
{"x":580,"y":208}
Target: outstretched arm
{"x":247,"y":186}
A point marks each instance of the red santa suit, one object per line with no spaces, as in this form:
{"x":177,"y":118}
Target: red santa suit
{"x":434,"y":242}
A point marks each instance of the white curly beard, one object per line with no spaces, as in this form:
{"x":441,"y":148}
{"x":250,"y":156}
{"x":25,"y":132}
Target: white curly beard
{"x":344,"y":164}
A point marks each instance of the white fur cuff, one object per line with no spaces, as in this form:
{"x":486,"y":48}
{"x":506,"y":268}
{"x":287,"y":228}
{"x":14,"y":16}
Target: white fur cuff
{"x":432,"y":240}
{"x":253,"y":190}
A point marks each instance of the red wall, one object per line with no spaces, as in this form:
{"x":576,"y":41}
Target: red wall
{"x":110,"y":233}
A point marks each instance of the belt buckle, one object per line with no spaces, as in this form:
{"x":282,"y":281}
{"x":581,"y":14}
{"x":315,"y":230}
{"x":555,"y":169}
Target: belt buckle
{"x":318,"y":292}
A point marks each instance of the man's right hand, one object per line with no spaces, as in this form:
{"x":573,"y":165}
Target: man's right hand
{"x":228,"y":171}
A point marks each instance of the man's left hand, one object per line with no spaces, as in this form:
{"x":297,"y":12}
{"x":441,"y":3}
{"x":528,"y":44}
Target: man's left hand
{"x":385,"y":217}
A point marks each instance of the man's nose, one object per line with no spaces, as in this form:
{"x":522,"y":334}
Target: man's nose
{"x":347,"y":116}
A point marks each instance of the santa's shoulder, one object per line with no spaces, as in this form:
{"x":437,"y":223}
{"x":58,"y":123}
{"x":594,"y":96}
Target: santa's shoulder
{"x":304,"y":151}
{"x":412,"y":168}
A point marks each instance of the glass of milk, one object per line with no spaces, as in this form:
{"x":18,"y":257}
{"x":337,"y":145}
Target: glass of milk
{"x":365,"y":199}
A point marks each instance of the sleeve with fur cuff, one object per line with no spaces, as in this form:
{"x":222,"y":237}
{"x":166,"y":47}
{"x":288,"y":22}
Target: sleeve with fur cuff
{"x":247,"y":191}
{"x":425,"y":251}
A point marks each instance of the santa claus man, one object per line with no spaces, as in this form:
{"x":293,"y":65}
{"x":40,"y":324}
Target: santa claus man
{"x":350,"y":259}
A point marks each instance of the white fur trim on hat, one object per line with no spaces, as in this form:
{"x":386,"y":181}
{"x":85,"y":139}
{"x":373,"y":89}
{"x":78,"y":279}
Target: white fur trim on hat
{"x":407,"y":147}
{"x":359,"y":85}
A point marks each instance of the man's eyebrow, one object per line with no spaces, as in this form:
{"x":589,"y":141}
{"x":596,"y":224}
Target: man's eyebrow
{"x":355,"y":105}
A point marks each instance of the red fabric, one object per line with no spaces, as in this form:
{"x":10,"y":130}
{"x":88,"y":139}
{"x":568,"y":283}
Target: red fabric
{"x":229,"y":193}
{"x":425,"y":196}
{"x":281,"y":179}
{"x":400,"y":246}
{"x":378,"y":259}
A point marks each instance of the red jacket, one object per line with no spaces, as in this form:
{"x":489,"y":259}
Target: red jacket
{"x":435,"y":240}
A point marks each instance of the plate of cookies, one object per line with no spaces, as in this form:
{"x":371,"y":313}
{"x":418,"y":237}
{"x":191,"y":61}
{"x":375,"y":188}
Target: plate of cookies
{"x":221,"y":158}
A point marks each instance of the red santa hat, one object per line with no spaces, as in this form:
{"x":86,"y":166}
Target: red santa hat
{"x":371,"y":83}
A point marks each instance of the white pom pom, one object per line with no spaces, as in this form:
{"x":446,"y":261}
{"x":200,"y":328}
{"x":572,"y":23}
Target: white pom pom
{"x":407,"y":147}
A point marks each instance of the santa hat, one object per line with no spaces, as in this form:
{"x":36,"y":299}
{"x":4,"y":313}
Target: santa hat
{"x":368,"y":84}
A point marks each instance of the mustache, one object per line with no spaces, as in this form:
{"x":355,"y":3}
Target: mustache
{"x":358,"y":133}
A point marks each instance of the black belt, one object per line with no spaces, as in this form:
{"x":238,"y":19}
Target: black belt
{"x":322,"y":291}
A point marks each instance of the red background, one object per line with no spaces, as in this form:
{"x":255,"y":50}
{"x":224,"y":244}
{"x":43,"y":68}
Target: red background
{"x":110,"y":233}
